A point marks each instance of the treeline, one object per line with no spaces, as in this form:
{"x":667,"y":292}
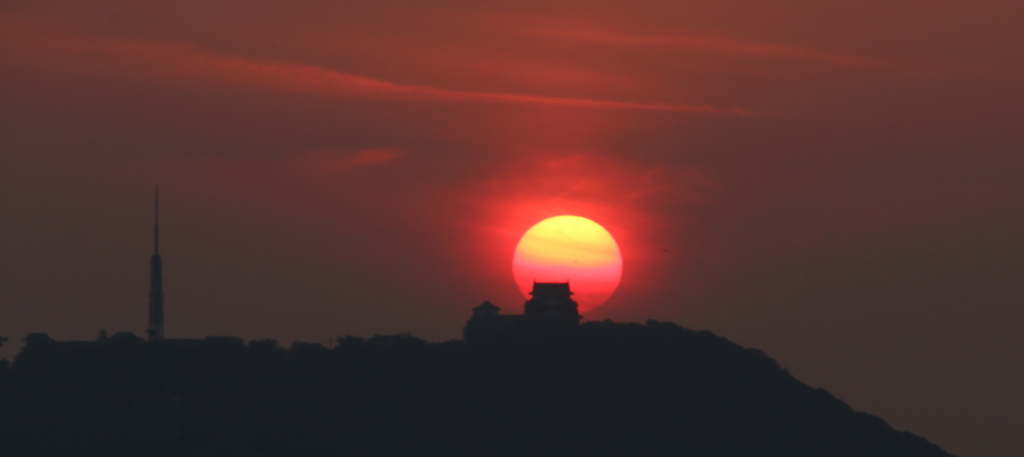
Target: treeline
{"x":603,"y":389}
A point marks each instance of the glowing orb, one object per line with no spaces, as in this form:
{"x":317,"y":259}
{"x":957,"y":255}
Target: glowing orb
{"x":573,"y":249}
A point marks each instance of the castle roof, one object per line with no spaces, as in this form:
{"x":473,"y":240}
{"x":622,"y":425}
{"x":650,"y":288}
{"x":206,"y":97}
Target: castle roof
{"x":551,"y":289}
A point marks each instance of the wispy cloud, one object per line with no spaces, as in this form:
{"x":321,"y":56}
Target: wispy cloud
{"x":340,"y":160}
{"x":608,"y":36}
{"x":724,"y":46}
{"x":132,"y":58}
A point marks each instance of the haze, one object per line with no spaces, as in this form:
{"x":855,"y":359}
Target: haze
{"x":834,"y":183}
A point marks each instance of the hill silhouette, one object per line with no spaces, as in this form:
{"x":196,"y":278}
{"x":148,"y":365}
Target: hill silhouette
{"x":602,"y":389}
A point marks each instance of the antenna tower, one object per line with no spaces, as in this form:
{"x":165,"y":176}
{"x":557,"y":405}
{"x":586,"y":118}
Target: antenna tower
{"x":156,"y":281}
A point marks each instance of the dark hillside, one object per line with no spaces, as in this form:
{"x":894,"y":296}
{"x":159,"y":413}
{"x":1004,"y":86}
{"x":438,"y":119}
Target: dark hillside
{"x":603,"y":389}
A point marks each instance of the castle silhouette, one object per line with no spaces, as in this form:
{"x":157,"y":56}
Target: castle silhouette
{"x":550,"y":309}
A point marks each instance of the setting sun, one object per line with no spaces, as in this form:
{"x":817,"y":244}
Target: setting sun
{"x":573,"y":249}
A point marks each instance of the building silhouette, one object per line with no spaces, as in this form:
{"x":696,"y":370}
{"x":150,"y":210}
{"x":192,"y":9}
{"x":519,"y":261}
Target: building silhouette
{"x":549,"y":309}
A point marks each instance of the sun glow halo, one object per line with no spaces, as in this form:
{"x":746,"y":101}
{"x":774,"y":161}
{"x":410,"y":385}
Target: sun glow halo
{"x":573,"y":249}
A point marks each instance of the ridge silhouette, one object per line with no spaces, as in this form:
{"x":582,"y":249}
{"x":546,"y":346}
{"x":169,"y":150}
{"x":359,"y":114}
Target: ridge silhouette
{"x":597,"y":389}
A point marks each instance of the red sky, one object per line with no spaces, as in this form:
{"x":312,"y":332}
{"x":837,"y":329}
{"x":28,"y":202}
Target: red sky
{"x":835,"y":183}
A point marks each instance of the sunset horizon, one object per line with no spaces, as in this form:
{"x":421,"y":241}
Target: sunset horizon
{"x":836,"y":185}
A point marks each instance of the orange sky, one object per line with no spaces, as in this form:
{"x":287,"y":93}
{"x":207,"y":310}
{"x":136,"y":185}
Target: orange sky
{"x":835,"y":183}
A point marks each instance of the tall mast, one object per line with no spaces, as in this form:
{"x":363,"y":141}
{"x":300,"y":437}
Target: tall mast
{"x":156,"y":221}
{"x":156,"y":287}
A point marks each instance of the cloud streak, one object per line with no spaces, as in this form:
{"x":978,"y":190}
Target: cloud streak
{"x":718,"y":45}
{"x":597,"y":35}
{"x":121,"y":58}
{"x":337,"y":160}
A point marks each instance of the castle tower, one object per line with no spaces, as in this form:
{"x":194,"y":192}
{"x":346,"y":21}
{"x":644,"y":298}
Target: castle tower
{"x":156,"y":281}
{"x":552,"y":299}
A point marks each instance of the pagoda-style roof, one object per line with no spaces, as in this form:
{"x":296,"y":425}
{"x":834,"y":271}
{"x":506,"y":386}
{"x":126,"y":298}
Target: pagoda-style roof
{"x":552,"y":299}
{"x":551,"y":289}
{"x":551,"y":310}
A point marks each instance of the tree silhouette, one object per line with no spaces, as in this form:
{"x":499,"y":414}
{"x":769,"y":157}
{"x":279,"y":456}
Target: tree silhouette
{"x":601,"y":389}
{"x":3,"y":362}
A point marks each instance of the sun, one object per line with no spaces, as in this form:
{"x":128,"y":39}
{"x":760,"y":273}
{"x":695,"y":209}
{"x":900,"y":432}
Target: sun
{"x":573,"y":249}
